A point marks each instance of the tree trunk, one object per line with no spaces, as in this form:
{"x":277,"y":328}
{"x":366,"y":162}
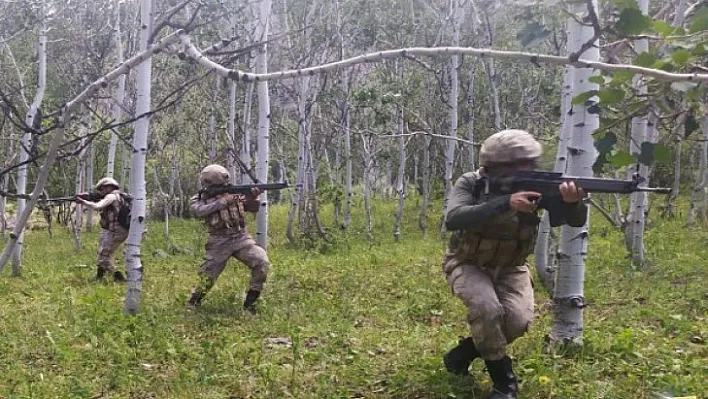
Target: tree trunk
{"x":543,"y":253}
{"x":492,"y":76}
{"x":634,"y":230}
{"x":80,"y":176}
{"x":700,"y":192}
{"x":425,"y":186}
{"x":470,"y":122}
{"x":27,"y":140}
{"x":568,"y":297}
{"x":212,"y":119}
{"x":263,"y":124}
{"x":401,"y":179}
{"x":118,"y":101}
{"x":246,"y":143}
{"x":367,"y":186}
{"x":90,"y":181}
{"x":133,"y":264}
{"x":231,"y":126}
{"x":298,"y":193}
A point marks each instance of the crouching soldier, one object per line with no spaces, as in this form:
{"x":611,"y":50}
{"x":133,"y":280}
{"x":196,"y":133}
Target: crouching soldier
{"x":225,"y":217}
{"x":113,"y":233}
{"x":485,"y":264}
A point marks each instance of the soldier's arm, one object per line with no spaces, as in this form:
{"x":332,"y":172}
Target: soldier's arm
{"x":576,"y":214}
{"x":201,"y":209}
{"x":102,"y":204}
{"x":462,"y":213}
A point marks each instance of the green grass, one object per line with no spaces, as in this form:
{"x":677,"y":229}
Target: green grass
{"x":366,"y":320}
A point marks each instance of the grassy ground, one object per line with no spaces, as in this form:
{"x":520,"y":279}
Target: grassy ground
{"x":357,"y":320}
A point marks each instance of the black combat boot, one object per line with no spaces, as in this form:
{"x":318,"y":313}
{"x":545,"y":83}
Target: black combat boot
{"x":195,"y":299}
{"x":100,"y":273}
{"x":118,"y":277}
{"x":503,"y":377}
{"x":250,"y":303}
{"x":459,"y":358}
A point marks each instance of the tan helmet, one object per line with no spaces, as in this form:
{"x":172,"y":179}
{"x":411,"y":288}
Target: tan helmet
{"x":213,"y":175}
{"x":509,"y":146}
{"x":107,"y":181}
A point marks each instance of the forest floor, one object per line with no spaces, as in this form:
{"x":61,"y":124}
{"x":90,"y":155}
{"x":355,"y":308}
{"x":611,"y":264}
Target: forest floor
{"x":343,"y":319}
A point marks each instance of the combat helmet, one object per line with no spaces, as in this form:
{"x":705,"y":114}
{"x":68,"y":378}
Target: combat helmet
{"x":213,"y":175}
{"x":509,"y":146}
{"x":107,"y":181}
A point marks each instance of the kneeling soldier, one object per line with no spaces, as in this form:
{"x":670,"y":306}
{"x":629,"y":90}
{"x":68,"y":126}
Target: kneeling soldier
{"x":485,"y":265}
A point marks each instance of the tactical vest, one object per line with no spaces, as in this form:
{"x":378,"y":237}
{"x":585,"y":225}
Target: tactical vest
{"x":231,"y":218}
{"x":501,"y":241}
{"x":109,"y":214}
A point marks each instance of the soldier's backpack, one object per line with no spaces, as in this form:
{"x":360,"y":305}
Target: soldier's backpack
{"x":124,"y":210}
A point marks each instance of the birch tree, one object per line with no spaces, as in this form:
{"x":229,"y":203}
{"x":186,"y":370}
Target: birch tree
{"x":568,"y":298}
{"x":118,"y":99}
{"x":262,"y":162}
{"x":26,"y":143}
{"x":133,"y":264}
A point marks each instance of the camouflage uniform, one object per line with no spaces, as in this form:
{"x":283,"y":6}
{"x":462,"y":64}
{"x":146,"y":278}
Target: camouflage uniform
{"x":485,"y":264}
{"x":226,"y":222}
{"x":112,"y":233}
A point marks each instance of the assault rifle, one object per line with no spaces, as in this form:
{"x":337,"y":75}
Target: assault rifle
{"x":239,"y":189}
{"x":547,"y":184}
{"x":91,"y":197}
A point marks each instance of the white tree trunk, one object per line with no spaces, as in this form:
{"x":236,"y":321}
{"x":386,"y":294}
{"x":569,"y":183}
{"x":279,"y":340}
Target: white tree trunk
{"x":88,"y":185}
{"x":133,"y":264}
{"x":699,"y":196}
{"x":298,"y":192}
{"x":453,"y":118}
{"x":27,"y":140}
{"x":425,"y":185}
{"x":634,"y":232}
{"x":118,"y":99}
{"x":470,"y":123}
{"x":401,"y":178}
{"x":212,"y":119}
{"x":543,"y":253}
{"x":367,"y":187}
{"x":80,"y":180}
{"x":231,"y":127}
{"x":263,"y":124}
{"x":568,"y":297}
{"x":246,"y":143}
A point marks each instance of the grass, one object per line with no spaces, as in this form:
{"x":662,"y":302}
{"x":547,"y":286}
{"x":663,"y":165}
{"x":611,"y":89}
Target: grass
{"x":357,"y":320}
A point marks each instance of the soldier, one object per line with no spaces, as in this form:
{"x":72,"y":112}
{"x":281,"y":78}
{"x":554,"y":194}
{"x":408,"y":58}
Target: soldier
{"x":112,"y":233}
{"x":226,"y":221}
{"x":485,"y":264}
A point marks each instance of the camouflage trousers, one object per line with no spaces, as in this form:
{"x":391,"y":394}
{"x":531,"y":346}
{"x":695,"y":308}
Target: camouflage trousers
{"x":109,"y":242}
{"x":500,"y":304}
{"x":241,"y":246}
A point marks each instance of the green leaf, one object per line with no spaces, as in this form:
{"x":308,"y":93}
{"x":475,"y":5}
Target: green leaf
{"x":683,"y":86}
{"x":624,"y":4}
{"x":611,"y":95}
{"x":597,"y":79}
{"x":663,"y":28}
{"x":680,"y":56}
{"x":583,"y":97}
{"x":532,"y":34}
{"x":700,"y":20}
{"x":632,"y":22}
{"x":605,"y":144}
{"x":700,"y":50}
{"x":652,"y":153}
{"x":621,"y":158}
{"x":621,"y":77}
{"x":645,"y":59}
{"x":663,"y":65}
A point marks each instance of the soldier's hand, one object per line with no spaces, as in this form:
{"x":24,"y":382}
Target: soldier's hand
{"x":256,"y":191}
{"x":524,"y":201}
{"x":571,"y":193}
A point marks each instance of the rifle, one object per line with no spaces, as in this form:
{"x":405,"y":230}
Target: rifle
{"x":91,"y":197}
{"x":547,"y":184}
{"x":239,"y":189}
